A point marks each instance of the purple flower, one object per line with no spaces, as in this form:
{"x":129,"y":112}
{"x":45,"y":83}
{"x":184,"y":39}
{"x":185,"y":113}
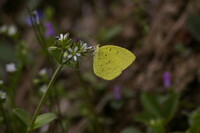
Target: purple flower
{"x":167,"y":79}
{"x":35,"y":17}
{"x":117,"y":92}
{"x":49,"y":29}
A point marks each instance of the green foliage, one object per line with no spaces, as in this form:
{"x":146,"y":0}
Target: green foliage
{"x":157,"y":126}
{"x":57,"y":54}
{"x":159,"y":110}
{"x":151,"y":104}
{"x":44,"y":119}
{"x":144,"y":117}
{"x":194,"y":122}
{"x":130,"y":130}
{"x":170,"y":106}
{"x":22,"y":115}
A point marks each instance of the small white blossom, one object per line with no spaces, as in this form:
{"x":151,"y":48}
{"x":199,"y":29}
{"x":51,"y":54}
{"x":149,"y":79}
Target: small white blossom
{"x":9,"y":29}
{"x":75,"y":58}
{"x":2,"y":95}
{"x":69,"y":56}
{"x":43,"y":88}
{"x":42,"y":72}
{"x":78,"y":54}
{"x":12,"y":30}
{"x":62,"y":37}
{"x":11,"y":67}
{"x":73,"y":53}
{"x":84,"y":47}
{"x":75,"y":49}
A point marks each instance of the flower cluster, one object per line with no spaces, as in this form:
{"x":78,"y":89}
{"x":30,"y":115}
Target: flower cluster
{"x":67,"y":49}
{"x":11,"y":67}
{"x":8,"y":29}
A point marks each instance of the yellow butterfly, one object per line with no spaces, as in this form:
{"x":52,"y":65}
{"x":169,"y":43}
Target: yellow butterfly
{"x":110,"y":61}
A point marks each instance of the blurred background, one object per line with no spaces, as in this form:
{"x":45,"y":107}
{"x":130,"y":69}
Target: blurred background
{"x":163,"y":34}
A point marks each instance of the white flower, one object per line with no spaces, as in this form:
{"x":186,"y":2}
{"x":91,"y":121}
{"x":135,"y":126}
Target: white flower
{"x":75,"y":58}
{"x":78,"y":54}
{"x":73,"y":53}
{"x":11,"y":67}
{"x":69,"y":56}
{"x":62,"y":37}
{"x":84,"y":47}
{"x":43,"y":88}
{"x":2,"y":95}
{"x":75,"y":49}
{"x":42,"y":72}
{"x":12,"y":30}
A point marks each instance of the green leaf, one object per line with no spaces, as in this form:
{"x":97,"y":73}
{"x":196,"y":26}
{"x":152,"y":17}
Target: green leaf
{"x":157,"y":125}
{"x":144,"y":117}
{"x":151,"y":104}
{"x":194,"y":121}
{"x":130,"y":130}
{"x":57,"y":54}
{"x":170,"y":106}
{"x":150,"y":130}
{"x":44,"y":119}
{"x":22,"y":115}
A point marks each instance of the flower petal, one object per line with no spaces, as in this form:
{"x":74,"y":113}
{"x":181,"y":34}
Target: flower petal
{"x":70,"y":50}
{"x":75,"y":49}
{"x":75,"y":58}
{"x":69,"y":56}
{"x":78,"y":54}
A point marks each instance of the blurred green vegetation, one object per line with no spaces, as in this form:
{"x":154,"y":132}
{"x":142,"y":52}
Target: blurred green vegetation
{"x":164,"y":36}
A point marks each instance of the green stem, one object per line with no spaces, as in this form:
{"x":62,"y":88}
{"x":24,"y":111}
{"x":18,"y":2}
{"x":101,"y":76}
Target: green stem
{"x":59,"y":112}
{"x":8,"y":127}
{"x":94,"y":118}
{"x":37,"y":111}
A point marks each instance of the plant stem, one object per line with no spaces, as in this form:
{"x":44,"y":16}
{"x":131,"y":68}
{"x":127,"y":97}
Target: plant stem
{"x":63,"y":129}
{"x":96,"y":127}
{"x":37,"y":111}
{"x":8,"y":127}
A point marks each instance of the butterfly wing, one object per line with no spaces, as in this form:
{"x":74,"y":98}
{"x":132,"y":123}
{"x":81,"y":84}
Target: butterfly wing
{"x":110,"y":61}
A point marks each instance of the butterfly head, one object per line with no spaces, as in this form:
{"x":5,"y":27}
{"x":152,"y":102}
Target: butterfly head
{"x":96,"y":49}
